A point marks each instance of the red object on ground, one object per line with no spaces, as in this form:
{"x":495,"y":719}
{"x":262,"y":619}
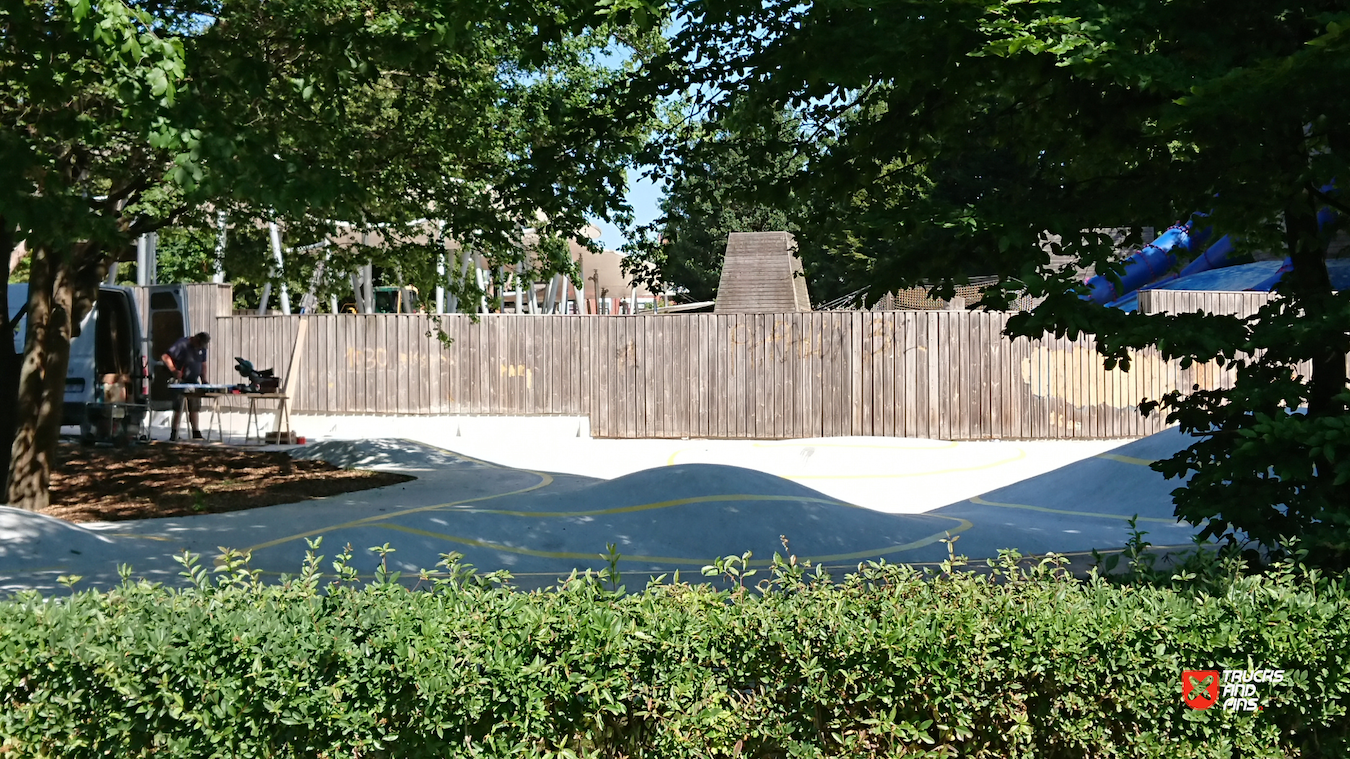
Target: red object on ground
{"x":299,"y":441}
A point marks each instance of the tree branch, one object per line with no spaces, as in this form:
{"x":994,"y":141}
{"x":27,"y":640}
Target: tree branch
{"x":1329,"y":199}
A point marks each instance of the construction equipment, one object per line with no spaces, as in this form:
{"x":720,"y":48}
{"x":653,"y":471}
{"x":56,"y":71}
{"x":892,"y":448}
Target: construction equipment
{"x":259,"y":380}
{"x":389,"y":300}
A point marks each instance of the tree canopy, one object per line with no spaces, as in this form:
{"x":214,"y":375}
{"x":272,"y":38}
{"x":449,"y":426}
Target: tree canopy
{"x":732,"y":175}
{"x":124,"y":117}
{"x":963,"y":133}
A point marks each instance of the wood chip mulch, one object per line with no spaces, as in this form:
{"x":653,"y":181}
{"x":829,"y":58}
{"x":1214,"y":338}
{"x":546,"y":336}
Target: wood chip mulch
{"x":169,"y":480}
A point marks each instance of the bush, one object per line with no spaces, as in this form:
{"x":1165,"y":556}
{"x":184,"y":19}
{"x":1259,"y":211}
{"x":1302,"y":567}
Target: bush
{"x":1010,"y":661}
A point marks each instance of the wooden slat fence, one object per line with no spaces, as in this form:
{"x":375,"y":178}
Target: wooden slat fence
{"x":935,"y":374}
{"x":1232,"y":303}
{"x":1189,"y":301}
{"x":205,"y":303}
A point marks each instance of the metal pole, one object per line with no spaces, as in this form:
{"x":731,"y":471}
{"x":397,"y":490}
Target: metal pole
{"x":368,"y":284}
{"x":280,"y":270}
{"x":357,"y":294}
{"x":142,"y":274}
{"x":551,"y":294}
{"x":519,"y":303}
{"x":440,"y":283}
{"x":219,"y":275}
{"x":310,"y":303}
{"x":482,"y":288}
{"x":266,"y":296}
{"x":440,"y":270}
{"x":152,"y":257}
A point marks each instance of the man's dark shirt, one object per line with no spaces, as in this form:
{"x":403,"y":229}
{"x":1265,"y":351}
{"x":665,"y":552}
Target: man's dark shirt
{"x":188,"y":358}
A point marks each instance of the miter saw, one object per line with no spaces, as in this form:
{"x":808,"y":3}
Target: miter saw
{"x":259,"y":380}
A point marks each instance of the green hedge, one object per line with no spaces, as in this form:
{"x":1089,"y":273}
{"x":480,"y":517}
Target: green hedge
{"x":889,"y":662}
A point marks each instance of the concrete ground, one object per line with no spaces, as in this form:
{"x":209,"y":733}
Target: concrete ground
{"x":897,"y":475}
{"x":540,"y":505}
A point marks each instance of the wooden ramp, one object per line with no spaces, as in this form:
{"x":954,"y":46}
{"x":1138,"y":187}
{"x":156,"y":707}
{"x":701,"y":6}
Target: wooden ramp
{"x":761,"y":274}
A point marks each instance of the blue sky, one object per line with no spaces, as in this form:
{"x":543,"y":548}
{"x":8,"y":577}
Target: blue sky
{"x":644,"y":196}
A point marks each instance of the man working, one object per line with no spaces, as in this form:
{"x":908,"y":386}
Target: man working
{"x":186,"y":361}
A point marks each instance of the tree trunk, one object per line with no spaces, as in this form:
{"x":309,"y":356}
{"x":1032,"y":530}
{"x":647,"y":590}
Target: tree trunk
{"x":59,"y":296}
{"x":1310,"y":286}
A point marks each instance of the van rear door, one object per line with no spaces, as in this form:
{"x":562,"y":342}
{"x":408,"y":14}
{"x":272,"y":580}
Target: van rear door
{"x":80,"y":370}
{"x":166,"y":307}
{"x":109,"y":343}
{"x":18,"y":299}
{"x":118,"y":348}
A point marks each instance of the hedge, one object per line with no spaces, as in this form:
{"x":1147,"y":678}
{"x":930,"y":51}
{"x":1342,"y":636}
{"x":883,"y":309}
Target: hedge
{"x":1011,"y":661}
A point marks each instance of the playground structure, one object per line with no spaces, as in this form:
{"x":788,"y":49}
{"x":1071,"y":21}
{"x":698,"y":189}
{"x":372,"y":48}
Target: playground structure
{"x":1153,"y":266}
{"x":602,"y":286}
{"x":761,"y":274}
{"x":765,"y":367}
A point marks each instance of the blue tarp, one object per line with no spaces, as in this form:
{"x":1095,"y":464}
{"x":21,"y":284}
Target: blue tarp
{"x":1228,"y":279}
{"x":1247,"y":276}
{"x":1238,"y":279}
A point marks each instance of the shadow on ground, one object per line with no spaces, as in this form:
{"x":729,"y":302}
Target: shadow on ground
{"x":541,"y":525}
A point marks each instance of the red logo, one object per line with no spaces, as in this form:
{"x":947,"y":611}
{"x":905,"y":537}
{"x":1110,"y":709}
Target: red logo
{"x":1200,"y":688}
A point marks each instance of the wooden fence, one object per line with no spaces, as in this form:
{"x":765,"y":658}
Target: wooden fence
{"x":206,"y":302}
{"x":1232,"y":303}
{"x":936,"y":374}
{"x":1188,"y":301}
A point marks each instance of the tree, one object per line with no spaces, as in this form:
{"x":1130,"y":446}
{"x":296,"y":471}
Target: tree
{"x":710,"y":192}
{"x":1082,"y":116}
{"x":122,"y":118}
{"x":84,"y":103}
{"x":727,"y":176}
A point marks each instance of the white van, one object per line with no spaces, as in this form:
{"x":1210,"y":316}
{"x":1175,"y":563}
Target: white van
{"x":110,"y":342}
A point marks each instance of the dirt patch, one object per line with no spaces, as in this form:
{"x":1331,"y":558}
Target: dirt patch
{"x":168,"y":480}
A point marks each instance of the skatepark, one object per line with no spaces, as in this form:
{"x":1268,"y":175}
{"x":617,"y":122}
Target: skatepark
{"x":540,"y":507}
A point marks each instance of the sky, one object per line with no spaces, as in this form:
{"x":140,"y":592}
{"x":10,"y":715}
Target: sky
{"x":644,"y":196}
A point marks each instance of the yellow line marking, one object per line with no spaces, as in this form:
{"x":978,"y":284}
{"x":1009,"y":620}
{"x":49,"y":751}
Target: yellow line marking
{"x":962,"y":526}
{"x":1125,"y":459}
{"x":647,"y":506}
{"x":544,"y":481}
{"x":981,"y":502}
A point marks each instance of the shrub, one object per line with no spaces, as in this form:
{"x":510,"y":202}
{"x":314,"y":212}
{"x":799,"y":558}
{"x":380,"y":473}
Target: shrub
{"x":1011,"y":661}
